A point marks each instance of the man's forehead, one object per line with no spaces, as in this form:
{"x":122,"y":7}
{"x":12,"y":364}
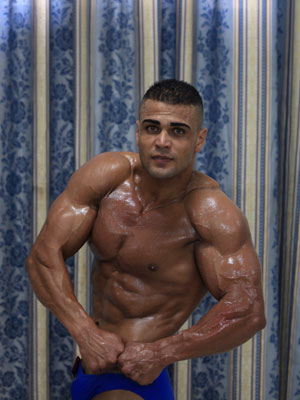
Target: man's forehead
{"x":152,"y":109}
{"x":159,"y":107}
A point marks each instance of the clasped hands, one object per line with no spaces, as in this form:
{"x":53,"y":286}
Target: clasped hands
{"x":104,"y":351}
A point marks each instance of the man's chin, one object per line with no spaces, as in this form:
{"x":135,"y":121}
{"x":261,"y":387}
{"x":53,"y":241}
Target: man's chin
{"x":165,"y":172}
{"x":161,"y":174}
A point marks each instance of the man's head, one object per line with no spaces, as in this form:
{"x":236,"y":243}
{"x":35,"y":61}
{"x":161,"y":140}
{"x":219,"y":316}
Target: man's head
{"x":173,"y":91}
{"x":169,"y":132}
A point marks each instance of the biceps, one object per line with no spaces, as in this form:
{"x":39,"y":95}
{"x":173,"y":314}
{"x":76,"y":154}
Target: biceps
{"x":67,"y":227}
{"x":233,"y":273}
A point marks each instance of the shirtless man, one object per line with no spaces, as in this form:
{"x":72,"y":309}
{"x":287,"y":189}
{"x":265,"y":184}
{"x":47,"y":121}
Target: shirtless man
{"x":162,"y":235}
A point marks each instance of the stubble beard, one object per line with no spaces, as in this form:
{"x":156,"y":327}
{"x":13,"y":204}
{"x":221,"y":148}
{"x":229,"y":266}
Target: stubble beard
{"x":160,"y":173}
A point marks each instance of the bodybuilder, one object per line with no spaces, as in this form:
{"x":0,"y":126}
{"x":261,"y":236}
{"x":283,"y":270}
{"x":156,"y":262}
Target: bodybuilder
{"x":162,"y":235}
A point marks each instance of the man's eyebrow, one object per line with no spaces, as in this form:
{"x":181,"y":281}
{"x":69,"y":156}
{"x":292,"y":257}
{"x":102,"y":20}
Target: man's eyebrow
{"x":151,"y":121}
{"x":180,"y":124}
{"x":155,"y":122}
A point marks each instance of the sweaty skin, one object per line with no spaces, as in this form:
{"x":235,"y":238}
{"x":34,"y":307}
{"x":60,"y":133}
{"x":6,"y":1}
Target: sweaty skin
{"x":162,"y":235}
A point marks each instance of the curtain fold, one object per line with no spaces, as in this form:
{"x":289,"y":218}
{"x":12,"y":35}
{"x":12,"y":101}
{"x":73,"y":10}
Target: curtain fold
{"x":114,"y":85}
{"x":16,"y":196}
{"x":290,"y":201}
{"x":72,"y":74}
{"x":61,"y":166}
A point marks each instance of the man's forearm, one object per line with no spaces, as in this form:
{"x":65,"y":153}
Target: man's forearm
{"x":218,"y":331}
{"x":53,"y":287}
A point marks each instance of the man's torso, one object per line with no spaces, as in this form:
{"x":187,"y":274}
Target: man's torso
{"x":144,"y":278}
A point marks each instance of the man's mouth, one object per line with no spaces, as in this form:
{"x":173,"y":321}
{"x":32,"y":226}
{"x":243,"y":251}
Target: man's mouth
{"x":162,"y":158}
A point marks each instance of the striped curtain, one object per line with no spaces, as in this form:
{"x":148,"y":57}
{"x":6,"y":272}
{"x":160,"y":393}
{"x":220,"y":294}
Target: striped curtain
{"x":72,"y":73}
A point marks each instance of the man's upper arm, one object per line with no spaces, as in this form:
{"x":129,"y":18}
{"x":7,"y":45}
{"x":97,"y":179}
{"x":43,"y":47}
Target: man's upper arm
{"x":225,"y":256}
{"x":73,"y":213}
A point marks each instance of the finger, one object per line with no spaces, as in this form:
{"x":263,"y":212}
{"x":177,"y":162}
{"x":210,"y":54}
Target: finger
{"x":112,"y":359}
{"x":129,"y":371}
{"x":123,"y":358}
{"x":119,"y":346}
{"x":141,"y":380}
{"x":124,"y":369}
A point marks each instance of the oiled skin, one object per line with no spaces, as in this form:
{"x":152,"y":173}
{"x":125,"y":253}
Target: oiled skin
{"x":160,"y":240}
{"x":145,"y":281}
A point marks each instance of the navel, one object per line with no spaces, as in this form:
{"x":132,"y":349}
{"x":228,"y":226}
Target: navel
{"x":153,"y":267}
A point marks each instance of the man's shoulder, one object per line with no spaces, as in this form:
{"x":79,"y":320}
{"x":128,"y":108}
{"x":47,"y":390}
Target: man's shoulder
{"x":200,"y":188}
{"x":200,"y":181}
{"x":103,"y":173}
{"x":215,"y":217}
{"x":113,"y":159}
{"x":110,"y":164}
{"x":208,"y":205}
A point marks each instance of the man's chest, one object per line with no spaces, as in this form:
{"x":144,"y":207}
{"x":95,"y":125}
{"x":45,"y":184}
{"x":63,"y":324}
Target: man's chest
{"x":125,"y":231}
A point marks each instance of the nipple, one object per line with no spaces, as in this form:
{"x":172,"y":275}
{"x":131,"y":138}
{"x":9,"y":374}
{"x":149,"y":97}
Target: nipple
{"x":153,"y":267}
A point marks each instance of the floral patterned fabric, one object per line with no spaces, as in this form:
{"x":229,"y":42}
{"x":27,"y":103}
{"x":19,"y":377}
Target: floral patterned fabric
{"x":243,"y":58}
{"x":62,"y":165}
{"x":16,"y":147}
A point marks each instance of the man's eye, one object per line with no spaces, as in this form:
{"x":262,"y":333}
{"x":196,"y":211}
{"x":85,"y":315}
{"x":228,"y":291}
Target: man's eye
{"x":152,"y":129}
{"x":179,"y":131}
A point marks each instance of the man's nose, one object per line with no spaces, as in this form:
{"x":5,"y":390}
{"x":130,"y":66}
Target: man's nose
{"x":163,"y":139}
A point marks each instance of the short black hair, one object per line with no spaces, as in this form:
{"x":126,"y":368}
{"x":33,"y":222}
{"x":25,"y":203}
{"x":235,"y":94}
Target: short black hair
{"x":173,"y":91}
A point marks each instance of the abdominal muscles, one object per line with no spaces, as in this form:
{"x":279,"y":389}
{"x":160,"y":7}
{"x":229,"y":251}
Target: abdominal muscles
{"x":144,"y":278}
{"x":140,"y":311}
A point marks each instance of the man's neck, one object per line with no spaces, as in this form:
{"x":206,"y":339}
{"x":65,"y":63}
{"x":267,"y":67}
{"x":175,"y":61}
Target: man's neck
{"x":154,"y":192}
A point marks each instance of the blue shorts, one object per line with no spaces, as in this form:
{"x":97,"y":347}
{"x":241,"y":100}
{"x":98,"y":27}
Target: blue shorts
{"x":85,"y":386}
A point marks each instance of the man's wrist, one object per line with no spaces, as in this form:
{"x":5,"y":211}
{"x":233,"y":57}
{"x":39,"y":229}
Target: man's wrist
{"x":169,"y":349}
{"x":79,"y":326}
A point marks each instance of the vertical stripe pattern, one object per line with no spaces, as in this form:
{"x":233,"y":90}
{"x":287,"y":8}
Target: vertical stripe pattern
{"x":254,"y":92}
{"x":290,"y":366}
{"x":82,"y":132}
{"x":41,"y":152}
{"x":185,"y":10}
{"x":148,"y":41}
{"x":93,"y":60}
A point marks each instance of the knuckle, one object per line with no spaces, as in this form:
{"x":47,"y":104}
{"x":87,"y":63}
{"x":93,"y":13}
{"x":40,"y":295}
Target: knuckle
{"x":112,"y":359}
{"x":126,"y":371}
{"x":139,"y":380}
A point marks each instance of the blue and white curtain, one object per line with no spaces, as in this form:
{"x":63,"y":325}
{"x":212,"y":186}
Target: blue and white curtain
{"x":72,"y":74}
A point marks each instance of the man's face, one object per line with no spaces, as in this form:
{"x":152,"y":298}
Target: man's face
{"x":168,"y":137}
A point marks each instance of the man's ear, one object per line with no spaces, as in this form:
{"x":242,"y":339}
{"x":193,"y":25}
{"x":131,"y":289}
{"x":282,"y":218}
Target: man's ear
{"x":200,"y":139}
{"x":137,"y":136}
